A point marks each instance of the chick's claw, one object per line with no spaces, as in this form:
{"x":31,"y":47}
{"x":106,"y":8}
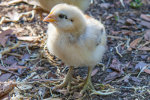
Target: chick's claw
{"x":67,"y":80}
{"x":87,"y":84}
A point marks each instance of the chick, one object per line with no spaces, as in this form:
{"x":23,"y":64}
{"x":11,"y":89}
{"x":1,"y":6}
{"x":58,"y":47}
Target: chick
{"x":76,"y":39}
{"x":48,"y":4}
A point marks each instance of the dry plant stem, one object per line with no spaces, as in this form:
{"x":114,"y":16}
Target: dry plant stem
{"x":5,"y":20}
{"x":6,"y":70}
{"x":117,"y":51}
{"x":116,"y":37}
{"x":10,"y":48}
{"x":67,"y":80}
{"x":16,"y":1}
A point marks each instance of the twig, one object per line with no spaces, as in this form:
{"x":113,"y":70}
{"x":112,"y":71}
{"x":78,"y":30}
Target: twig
{"x":6,"y":70}
{"x":117,"y":49}
{"x":142,"y":70}
{"x":116,"y":37}
{"x":9,"y":49}
{"x":108,"y":92}
{"x":15,"y":54}
{"x":122,"y":3}
{"x":12,"y":2}
{"x":128,"y":43}
{"x":5,"y":20}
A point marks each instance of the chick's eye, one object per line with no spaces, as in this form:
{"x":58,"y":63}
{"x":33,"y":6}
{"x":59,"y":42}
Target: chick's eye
{"x":62,"y":16}
{"x":71,"y":20}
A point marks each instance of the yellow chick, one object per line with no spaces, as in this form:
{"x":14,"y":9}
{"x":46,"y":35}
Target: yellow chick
{"x":76,"y":39}
{"x":48,"y":4}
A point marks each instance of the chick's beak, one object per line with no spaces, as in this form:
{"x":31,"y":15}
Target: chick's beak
{"x":49,"y":18}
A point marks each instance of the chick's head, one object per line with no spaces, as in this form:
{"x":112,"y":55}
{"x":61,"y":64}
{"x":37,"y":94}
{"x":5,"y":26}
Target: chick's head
{"x":66,"y":18}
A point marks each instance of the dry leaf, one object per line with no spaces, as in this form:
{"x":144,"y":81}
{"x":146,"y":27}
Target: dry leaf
{"x":116,"y":65}
{"x":144,"y":48}
{"x":10,"y":60}
{"x":140,"y":65}
{"x":5,"y":77}
{"x":53,"y":99}
{"x":145,"y":17}
{"x":15,"y":67}
{"x":135,"y":42}
{"x":4,"y":37}
{"x":6,"y":70}
{"x":77,"y":95}
{"x":6,"y":87}
{"x":147,"y":71}
{"x":25,"y":86}
{"x":130,"y":22}
{"x":145,"y":23}
{"x":147,"y":35}
{"x":146,"y":2}
{"x":112,"y":76}
{"x":51,"y":75}
{"x":94,"y":71}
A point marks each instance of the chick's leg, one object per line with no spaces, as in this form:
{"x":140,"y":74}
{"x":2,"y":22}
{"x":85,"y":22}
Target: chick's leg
{"x":67,"y":80}
{"x":87,"y":83}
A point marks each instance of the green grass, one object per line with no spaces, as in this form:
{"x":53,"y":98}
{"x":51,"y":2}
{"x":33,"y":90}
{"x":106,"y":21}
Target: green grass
{"x":136,"y":4}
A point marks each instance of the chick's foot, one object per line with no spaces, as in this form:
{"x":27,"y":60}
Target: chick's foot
{"x":67,"y":80}
{"x":87,"y":84}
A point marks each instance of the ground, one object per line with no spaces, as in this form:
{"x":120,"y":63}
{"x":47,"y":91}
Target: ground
{"x":30,"y":73}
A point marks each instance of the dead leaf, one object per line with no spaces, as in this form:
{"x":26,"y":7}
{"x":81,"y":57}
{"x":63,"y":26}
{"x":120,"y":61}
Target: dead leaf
{"x":147,"y":71}
{"x":147,"y":35}
{"x":6,"y":87}
{"x":52,"y":75}
{"x":5,"y":77}
{"x":15,"y":67}
{"x":109,"y":16}
{"x":146,"y":2}
{"x":105,"y":5}
{"x":24,"y":59}
{"x":53,"y":99}
{"x":10,"y":60}
{"x":13,"y":15}
{"x":144,"y":48}
{"x":4,"y":37}
{"x":135,"y":42}
{"x":5,"y":97}
{"x":135,"y":79}
{"x":63,"y":91}
{"x":130,"y":22}
{"x":77,"y":95}
{"x":39,"y":68}
{"x":6,"y":70}
{"x":116,"y":65}
{"x":141,"y":65}
{"x":111,"y":76}
{"x":145,"y":17}
{"x":94,"y":71}
{"x":145,"y":24}
{"x":25,"y":86}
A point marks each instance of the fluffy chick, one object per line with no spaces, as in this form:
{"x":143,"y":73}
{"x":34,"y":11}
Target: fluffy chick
{"x":76,"y":39}
{"x":48,"y":4}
